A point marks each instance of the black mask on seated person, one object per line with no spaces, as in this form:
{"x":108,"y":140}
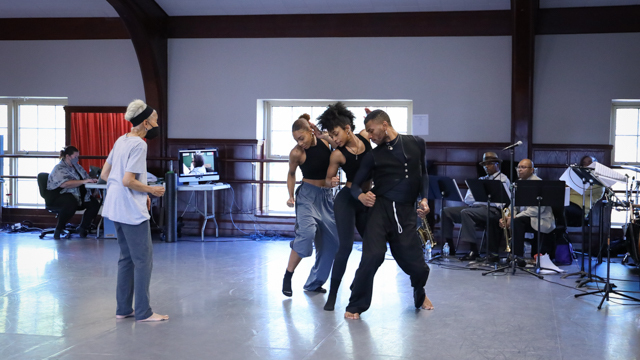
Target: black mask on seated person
{"x":152,"y":133}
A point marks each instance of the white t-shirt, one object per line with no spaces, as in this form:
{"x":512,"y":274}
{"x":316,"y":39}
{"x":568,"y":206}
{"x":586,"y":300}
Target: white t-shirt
{"x":121,"y":204}
{"x":198,"y":171}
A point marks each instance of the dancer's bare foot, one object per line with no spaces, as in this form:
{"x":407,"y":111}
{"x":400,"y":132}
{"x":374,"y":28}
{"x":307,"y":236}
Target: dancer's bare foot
{"x":426,"y":305}
{"x":125,"y":316}
{"x":351,"y":316}
{"x":155,"y":317}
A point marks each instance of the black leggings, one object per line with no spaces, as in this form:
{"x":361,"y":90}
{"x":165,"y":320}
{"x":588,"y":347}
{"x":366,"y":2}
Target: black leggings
{"x":349,"y":212}
{"x":68,"y":206}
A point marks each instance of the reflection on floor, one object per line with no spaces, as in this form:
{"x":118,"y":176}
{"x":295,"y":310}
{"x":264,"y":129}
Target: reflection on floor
{"x":224,"y":299}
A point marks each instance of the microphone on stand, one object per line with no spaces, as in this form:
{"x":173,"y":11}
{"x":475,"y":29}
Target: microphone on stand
{"x":513,"y":145}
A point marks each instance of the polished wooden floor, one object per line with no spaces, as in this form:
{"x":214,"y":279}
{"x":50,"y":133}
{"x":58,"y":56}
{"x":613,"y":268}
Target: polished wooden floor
{"x":225,"y":302}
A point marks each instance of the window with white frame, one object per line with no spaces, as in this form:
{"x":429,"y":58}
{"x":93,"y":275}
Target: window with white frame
{"x":625,"y":131}
{"x":30,"y":126}
{"x":279,"y":116}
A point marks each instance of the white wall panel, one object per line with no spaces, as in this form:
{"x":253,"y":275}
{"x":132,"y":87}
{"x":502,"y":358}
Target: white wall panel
{"x":463,"y":83}
{"x":576,"y":77}
{"x":88,"y":72}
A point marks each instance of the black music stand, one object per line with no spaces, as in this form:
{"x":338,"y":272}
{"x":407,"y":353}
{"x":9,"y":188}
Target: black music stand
{"x":443,"y":188}
{"x":608,"y":286}
{"x":539,"y":193}
{"x":489,"y":191}
{"x":587,"y":178}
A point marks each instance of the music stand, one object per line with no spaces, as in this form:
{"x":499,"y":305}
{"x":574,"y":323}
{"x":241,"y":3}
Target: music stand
{"x":489,"y":191}
{"x":539,"y":193}
{"x":586,"y":177}
{"x":443,"y":188}
{"x":608,"y":286}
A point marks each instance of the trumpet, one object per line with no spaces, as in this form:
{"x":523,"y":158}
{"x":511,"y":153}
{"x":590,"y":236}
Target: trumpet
{"x":425,"y":234}
{"x":505,"y":214}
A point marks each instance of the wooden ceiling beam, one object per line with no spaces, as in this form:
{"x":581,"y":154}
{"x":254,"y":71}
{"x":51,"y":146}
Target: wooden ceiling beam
{"x":147,"y":23}
{"x":524,"y":15}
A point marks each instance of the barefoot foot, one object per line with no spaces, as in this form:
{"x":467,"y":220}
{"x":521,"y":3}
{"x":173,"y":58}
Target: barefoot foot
{"x":351,"y":316}
{"x":125,"y":316}
{"x":155,"y":317}
{"x":426,"y":305}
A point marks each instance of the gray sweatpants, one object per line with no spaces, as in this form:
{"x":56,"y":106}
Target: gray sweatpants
{"x":315,"y":223}
{"x":134,"y":269}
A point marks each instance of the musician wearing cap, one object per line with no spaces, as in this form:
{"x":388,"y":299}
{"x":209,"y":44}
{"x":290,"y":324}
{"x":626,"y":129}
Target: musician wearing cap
{"x":475,"y":214}
{"x":526,"y":218}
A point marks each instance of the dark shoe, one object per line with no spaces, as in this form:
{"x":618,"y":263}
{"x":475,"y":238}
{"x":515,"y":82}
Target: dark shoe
{"x":319,"y":289}
{"x":56,"y":234}
{"x":472,"y":255}
{"x":418,"y":297}
{"x":493,"y":258}
{"x":286,"y":284}
{"x":331,"y":302}
{"x":82,"y":232}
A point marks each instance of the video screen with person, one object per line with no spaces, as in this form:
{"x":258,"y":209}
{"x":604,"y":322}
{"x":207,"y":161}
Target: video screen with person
{"x":198,"y":165}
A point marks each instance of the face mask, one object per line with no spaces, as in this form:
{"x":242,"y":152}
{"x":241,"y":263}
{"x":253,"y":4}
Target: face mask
{"x":74,"y":161}
{"x":152,"y":133}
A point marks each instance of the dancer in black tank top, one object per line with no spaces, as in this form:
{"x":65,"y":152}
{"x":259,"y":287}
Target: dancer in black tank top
{"x":313,"y":200}
{"x":337,"y":120}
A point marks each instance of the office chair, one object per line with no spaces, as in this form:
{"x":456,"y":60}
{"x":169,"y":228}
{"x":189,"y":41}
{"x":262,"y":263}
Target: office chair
{"x":49,"y":196}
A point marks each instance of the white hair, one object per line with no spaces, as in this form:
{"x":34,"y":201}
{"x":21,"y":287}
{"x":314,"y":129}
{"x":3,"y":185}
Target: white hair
{"x":134,"y":109}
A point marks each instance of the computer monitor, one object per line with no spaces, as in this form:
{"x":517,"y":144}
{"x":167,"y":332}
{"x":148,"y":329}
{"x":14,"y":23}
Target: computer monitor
{"x":198,"y":165}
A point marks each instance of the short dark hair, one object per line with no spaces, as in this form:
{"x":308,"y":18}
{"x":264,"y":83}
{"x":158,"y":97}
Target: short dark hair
{"x":336,"y":115}
{"x":198,"y":160}
{"x":302,"y":123}
{"x":68,"y":150}
{"x":593,"y":159}
{"x":378,"y":116}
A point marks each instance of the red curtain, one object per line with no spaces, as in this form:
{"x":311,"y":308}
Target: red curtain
{"x":95,"y":133}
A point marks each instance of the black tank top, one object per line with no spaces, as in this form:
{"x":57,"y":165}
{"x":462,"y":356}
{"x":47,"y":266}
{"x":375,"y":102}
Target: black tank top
{"x":352,"y":163}
{"x":317,"y":162}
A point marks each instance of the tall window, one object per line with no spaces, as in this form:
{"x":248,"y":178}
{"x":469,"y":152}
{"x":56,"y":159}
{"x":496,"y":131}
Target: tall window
{"x":279,"y":116}
{"x":625,"y":131}
{"x":33,"y":126}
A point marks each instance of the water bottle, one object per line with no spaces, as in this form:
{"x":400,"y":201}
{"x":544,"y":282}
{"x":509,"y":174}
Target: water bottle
{"x":428,"y":251}
{"x":445,"y":251}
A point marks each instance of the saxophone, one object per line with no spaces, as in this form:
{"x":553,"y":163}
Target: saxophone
{"x":425,"y":234}
{"x":505,"y":214}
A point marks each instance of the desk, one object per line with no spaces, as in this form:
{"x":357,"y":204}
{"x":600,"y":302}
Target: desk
{"x":205,"y":188}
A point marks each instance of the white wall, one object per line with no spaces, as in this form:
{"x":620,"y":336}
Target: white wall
{"x":576,"y":77}
{"x":463,"y":83}
{"x":88,"y":72}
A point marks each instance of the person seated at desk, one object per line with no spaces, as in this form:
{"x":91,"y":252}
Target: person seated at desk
{"x":69,"y":177}
{"x":526,"y":219}
{"x":476,"y":214}
{"x":198,"y":165}
{"x":573,"y":212}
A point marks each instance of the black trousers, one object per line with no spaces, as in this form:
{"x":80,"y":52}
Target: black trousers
{"x":382,"y":227}
{"x":349,"y":212}
{"x":573,"y":213}
{"x":68,"y":206}
{"x":521,"y":226}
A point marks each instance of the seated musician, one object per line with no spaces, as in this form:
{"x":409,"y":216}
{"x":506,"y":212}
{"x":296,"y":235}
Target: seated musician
{"x":526,"y":219}
{"x":573,"y":212}
{"x":476,"y":214}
